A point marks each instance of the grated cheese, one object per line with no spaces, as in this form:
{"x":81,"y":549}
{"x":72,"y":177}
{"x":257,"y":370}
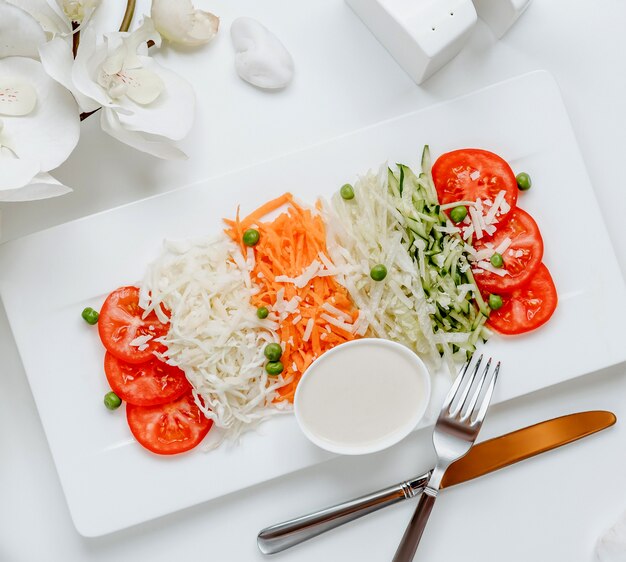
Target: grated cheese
{"x":495,"y":207}
{"x":336,"y":322}
{"x":141,"y":341}
{"x":486,"y":266}
{"x":338,"y":313}
{"x":503,"y":246}
{"x":308,"y":330}
{"x":476,"y":222}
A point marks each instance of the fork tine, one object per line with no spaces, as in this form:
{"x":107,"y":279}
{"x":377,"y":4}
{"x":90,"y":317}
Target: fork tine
{"x":466,"y":389}
{"x":455,"y":387}
{"x":467,"y":411}
{"x":482,"y":411}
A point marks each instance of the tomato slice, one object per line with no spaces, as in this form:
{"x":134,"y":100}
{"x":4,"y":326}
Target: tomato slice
{"x":471,"y":173}
{"x":145,"y":384}
{"x":120,"y":322}
{"x":521,"y":259}
{"x":526,"y":308}
{"x":168,"y":429}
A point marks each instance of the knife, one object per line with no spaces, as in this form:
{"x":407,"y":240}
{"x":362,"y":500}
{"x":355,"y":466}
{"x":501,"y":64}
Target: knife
{"x":483,"y":458}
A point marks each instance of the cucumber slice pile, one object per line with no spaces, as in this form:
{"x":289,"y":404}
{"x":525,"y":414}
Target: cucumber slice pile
{"x":438,"y":252}
{"x":428,"y":300}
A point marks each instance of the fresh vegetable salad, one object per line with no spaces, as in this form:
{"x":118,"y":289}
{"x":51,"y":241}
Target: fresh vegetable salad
{"x":221,"y":329}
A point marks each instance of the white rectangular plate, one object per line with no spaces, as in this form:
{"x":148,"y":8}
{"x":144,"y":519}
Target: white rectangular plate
{"x":47,"y":278}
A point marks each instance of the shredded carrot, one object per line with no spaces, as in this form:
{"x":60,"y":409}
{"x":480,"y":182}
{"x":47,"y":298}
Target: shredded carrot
{"x":288,"y":245}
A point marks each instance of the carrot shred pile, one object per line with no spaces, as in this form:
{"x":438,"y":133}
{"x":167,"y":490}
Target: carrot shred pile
{"x":287,"y":246}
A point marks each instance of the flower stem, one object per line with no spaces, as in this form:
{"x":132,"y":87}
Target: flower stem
{"x":128,"y":15}
{"x":75,"y":38}
{"x":84,"y":116}
{"x":124,"y":26}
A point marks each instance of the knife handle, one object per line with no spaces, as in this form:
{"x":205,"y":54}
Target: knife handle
{"x":295,"y":531}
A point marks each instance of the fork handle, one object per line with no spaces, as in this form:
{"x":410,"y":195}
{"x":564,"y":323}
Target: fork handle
{"x":295,"y":531}
{"x":415,"y":529}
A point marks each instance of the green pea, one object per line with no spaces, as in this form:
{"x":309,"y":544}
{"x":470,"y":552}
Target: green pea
{"x":524,"y":183}
{"x":273,"y":351}
{"x":251,"y":237}
{"x":496,"y":260}
{"x":495,"y":302}
{"x":90,"y":315}
{"x":458,"y":213}
{"x":347,"y":191}
{"x":112,"y":401}
{"x":378,"y":272}
{"x":274,"y":368}
{"x":262,"y":312}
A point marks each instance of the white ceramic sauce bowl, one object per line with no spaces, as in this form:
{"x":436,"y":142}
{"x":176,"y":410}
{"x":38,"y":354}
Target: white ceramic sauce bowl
{"x":362,"y":396}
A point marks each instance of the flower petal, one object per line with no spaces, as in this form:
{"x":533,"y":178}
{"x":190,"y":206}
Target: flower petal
{"x":42,"y":186}
{"x":170,"y":115}
{"x":43,"y":12}
{"x":16,"y":172}
{"x":20,"y":32}
{"x":90,"y":56}
{"x":57,"y":59}
{"x":132,"y":44}
{"x":48,"y":134}
{"x":204,"y":29}
{"x":179,"y":22}
{"x":143,"y":86}
{"x":151,"y":144}
{"x":16,"y":97}
{"x":137,"y":41}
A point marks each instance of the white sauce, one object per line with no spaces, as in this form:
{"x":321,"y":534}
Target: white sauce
{"x":362,"y":396}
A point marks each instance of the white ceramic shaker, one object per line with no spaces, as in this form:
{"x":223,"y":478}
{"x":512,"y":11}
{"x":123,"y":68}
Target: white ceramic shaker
{"x":422,"y":35}
{"x":500,"y":15}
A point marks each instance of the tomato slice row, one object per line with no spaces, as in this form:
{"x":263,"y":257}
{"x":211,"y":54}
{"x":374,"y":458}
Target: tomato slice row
{"x":528,"y":293}
{"x":471,"y":173}
{"x":145,"y":384}
{"x":528,"y":307}
{"x":121,"y":322}
{"x":522,"y":258}
{"x":160,"y":408}
{"x":169,"y":429}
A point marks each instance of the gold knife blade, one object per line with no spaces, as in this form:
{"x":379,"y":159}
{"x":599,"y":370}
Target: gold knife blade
{"x":530,"y":441}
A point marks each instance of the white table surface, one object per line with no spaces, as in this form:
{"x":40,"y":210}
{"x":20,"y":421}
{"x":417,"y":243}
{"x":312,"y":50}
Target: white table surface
{"x":549,"y":508}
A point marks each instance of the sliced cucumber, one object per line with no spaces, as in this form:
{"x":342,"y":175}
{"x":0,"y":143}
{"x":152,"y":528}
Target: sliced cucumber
{"x":440,"y":258}
{"x":394,"y":184}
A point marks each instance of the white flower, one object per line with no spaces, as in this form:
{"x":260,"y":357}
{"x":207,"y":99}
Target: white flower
{"x":179,"y":22}
{"x":78,"y":11}
{"x":143,"y":104}
{"x":52,"y":21}
{"x":20,"y":33}
{"x":39,"y":128}
{"x":16,"y":98}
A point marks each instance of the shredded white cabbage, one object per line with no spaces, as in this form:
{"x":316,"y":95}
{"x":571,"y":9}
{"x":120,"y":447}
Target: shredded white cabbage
{"x":215,"y":336}
{"x":369,"y":230}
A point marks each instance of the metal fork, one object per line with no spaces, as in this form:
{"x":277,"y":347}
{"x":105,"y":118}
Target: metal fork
{"x":457,"y":427}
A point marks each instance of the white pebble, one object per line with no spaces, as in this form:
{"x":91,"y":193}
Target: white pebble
{"x":260,"y":59}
